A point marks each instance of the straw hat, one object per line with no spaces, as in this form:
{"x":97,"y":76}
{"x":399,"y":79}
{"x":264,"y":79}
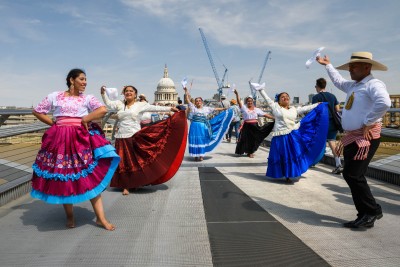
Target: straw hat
{"x":142,"y":95}
{"x":365,"y":57}
{"x":233,"y":102}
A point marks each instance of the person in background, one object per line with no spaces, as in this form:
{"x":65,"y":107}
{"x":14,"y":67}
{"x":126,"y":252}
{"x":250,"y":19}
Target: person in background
{"x":180,"y":106}
{"x":145,"y":119}
{"x":333,"y":105}
{"x":235,"y":121}
{"x":205,"y":134}
{"x":75,"y":162}
{"x":224,"y":103}
{"x":295,"y":145}
{"x":367,"y":100}
{"x":150,"y":154}
{"x":251,"y":134}
{"x":142,"y":98}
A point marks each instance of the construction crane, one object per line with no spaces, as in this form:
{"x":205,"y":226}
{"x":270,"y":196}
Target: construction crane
{"x":254,"y":92}
{"x":220,"y":83}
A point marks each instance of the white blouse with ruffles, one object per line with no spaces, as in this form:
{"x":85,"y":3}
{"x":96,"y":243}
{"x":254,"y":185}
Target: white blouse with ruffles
{"x":129,"y":117}
{"x":285,"y":119}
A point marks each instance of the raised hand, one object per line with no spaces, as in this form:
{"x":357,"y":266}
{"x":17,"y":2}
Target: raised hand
{"x":323,"y":60}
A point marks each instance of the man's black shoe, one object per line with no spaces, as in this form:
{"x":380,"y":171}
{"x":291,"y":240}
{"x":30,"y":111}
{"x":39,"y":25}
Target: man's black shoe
{"x":366,"y":221}
{"x":351,"y":224}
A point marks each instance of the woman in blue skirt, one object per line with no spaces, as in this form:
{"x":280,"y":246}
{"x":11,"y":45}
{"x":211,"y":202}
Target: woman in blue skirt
{"x":295,"y":144}
{"x":205,"y":134}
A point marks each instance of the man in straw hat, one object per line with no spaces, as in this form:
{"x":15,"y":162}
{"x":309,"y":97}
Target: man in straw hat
{"x":367,"y":101}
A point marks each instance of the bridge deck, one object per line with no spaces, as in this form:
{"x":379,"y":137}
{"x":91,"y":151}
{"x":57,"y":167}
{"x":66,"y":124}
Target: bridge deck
{"x":220,"y":212}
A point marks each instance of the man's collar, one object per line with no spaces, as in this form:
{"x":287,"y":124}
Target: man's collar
{"x":366,"y":79}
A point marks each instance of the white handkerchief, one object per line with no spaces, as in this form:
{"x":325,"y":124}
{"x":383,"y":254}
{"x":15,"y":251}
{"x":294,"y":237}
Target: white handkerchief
{"x":233,"y":88}
{"x":184,"y":82}
{"x":316,"y":54}
{"x":257,"y":86}
{"x":112,"y":93}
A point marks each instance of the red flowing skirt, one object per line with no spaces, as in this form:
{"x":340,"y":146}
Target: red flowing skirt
{"x":152,"y":155}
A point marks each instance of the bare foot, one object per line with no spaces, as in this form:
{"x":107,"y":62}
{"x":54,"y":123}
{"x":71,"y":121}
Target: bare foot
{"x":251,"y":155}
{"x":125,"y":192}
{"x":108,"y":226}
{"x":201,"y":159}
{"x":70,"y":222}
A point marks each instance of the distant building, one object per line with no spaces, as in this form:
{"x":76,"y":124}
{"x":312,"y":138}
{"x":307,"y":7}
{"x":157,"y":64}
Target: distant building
{"x":391,"y":118}
{"x":296,"y":100}
{"x":166,"y":93}
{"x":310,"y":96}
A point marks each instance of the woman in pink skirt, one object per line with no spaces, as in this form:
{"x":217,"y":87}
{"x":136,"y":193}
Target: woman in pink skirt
{"x":75,"y":162}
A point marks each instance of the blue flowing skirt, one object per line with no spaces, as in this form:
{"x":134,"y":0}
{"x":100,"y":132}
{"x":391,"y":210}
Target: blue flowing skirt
{"x":200,"y":139}
{"x":292,"y":154}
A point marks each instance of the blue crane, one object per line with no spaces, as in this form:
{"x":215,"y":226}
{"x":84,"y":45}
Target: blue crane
{"x":254,"y":92}
{"x":220,"y":83}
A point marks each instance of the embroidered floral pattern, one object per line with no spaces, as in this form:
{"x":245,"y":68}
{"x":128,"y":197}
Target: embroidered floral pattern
{"x":94,"y":103}
{"x":69,"y":106}
{"x":64,"y":177}
{"x":79,"y":160}
{"x":44,"y":106}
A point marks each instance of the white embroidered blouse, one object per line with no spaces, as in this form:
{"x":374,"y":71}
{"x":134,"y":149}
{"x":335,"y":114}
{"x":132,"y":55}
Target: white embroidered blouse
{"x":251,"y":114}
{"x":285,"y":119}
{"x":68,"y":106}
{"x":203,"y":111}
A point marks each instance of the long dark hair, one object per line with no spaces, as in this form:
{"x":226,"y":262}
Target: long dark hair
{"x":74,"y":73}
{"x":123,"y":91}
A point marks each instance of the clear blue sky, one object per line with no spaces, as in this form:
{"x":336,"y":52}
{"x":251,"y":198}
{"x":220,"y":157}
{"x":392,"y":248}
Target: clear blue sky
{"x":128,"y":42}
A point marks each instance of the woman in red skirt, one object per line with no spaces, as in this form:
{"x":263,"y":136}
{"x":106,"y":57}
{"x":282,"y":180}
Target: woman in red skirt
{"x":151,"y":155}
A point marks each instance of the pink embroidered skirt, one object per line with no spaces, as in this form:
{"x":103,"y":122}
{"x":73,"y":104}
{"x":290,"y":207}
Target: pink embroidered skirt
{"x":73,"y":164}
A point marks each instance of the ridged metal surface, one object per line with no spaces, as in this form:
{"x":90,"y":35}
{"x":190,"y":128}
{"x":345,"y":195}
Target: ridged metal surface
{"x":14,"y":193}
